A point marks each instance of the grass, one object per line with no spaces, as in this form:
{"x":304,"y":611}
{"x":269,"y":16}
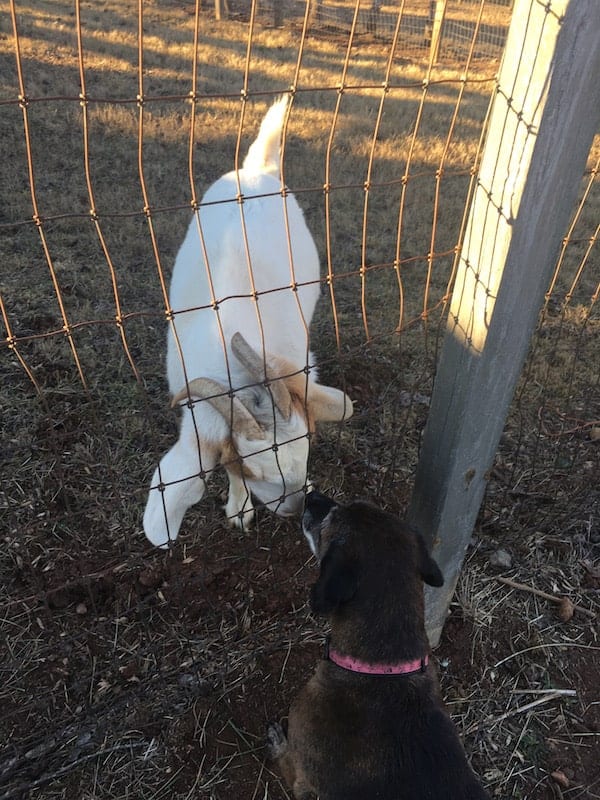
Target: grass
{"x":131,"y":673}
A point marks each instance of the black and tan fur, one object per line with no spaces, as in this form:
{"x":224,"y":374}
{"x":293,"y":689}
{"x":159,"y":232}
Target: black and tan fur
{"x":369,"y":737}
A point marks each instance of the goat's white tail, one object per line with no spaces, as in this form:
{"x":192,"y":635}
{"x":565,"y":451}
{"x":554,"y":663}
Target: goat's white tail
{"x":264,"y":152}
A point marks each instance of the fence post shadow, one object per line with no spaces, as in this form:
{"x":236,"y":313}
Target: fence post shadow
{"x":543,"y":120}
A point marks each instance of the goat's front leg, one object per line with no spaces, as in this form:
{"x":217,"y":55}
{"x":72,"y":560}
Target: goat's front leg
{"x":176,"y":484}
{"x":239,"y":508}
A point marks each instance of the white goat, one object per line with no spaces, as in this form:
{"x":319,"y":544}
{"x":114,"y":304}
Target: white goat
{"x":244,"y":288}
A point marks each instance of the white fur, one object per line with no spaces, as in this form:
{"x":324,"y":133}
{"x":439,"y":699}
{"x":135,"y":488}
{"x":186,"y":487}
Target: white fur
{"x":199,"y":339}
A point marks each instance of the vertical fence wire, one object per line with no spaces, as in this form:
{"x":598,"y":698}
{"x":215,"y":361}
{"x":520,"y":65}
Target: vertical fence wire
{"x":37,"y":218}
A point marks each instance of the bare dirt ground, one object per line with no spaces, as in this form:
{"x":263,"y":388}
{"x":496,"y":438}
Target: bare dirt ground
{"x":161,"y":671}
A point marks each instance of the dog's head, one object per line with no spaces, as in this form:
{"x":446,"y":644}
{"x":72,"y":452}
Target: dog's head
{"x":366,"y":555}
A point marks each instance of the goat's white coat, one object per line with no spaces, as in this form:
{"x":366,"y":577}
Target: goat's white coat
{"x":197,"y":336}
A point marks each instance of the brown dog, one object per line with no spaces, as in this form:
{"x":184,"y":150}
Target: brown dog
{"x":370,"y":722}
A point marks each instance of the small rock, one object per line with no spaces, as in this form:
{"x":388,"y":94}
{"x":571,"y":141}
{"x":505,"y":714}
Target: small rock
{"x":558,"y":776}
{"x":59,"y":598}
{"x":591,"y":577}
{"x":501,"y":559}
{"x":150,"y":578}
{"x":81,"y":609}
{"x":84,"y":739}
{"x":195,"y":683}
{"x":565,"y":610}
{"x":492,"y":775}
{"x":40,"y":750}
{"x":187,"y":681}
{"x":129,"y":671}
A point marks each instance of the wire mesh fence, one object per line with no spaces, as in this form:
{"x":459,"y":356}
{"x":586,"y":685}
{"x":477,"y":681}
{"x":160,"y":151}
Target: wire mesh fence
{"x":129,"y":671}
{"x":466,"y":28}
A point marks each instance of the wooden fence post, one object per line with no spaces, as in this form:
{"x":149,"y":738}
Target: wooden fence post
{"x":221,"y":9}
{"x":545,"y":114}
{"x":372,"y":16}
{"x":437,"y":14}
{"x":278,"y":13}
{"x":316,"y":11}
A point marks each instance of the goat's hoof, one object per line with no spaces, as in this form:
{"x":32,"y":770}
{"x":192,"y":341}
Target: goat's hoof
{"x":276,"y":740}
{"x":239,"y":519}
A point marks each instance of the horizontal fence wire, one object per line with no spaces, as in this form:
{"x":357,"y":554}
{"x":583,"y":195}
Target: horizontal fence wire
{"x":132,"y":671}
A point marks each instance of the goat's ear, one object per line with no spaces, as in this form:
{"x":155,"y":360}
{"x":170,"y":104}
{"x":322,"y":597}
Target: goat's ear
{"x":259,"y":369}
{"x":430,"y":572}
{"x":230,"y":407}
{"x":327,"y":404}
{"x":337,"y":581}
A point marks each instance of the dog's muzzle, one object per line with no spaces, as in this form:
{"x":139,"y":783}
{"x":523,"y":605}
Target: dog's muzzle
{"x":316,"y":508}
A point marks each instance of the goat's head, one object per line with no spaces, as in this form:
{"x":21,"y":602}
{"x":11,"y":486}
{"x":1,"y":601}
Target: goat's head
{"x":268,"y":423}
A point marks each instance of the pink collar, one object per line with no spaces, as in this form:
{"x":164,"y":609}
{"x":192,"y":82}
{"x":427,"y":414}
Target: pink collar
{"x":364,"y":668}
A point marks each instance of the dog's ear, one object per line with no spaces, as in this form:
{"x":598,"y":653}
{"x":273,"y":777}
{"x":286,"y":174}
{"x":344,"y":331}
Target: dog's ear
{"x":430,"y":572}
{"x":337,"y":581}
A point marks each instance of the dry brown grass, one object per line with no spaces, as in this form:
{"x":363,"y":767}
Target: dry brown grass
{"x":129,"y":673}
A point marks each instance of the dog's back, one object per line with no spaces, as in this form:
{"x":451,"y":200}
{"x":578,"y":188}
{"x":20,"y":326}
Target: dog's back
{"x":387,"y":738}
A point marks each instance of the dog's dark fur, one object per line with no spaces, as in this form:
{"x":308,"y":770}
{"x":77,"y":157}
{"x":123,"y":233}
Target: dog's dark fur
{"x":360,"y":737}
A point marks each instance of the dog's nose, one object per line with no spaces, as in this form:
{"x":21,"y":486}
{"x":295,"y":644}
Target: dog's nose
{"x":316,"y":507}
